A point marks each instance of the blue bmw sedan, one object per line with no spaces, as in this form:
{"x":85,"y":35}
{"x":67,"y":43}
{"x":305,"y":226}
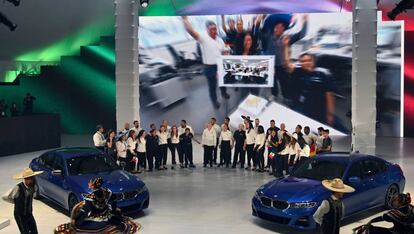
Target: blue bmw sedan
{"x":68,"y":170}
{"x":292,"y":200}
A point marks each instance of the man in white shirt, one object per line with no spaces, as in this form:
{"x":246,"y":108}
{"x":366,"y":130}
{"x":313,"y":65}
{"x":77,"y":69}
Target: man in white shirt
{"x":136,"y":127}
{"x":281,"y":131}
{"x":217,"y":128}
{"x":209,"y":141}
{"x":308,"y":136}
{"x":99,"y":140}
{"x":212,"y":46}
{"x":183,"y":126}
{"x":319,"y":140}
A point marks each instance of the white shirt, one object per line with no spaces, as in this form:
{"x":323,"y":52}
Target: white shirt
{"x":305,"y":151}
{"x":175,"y":139}
{"x":324,"y":209}
{"x":168,"y":130}
{"x":319,"y":141}
{"x":132,"y":144}
{"x":226,"y":136}
{"x":280,"y":133}
{"x":162,"y":138}
{"x":142,"y":145}
{"x":181,"y":130}
{"x":308,"y":138}
{"x":217,"y":128}
{"x":209,"y":137}
{"x":211,"y":49}
{"x":250,"y":136}
{"x":99,"y":139}
{"x":136,"y":130}
{"x":230,"y":128}
{"x":260,"y":140}
{"x":121,"y":148}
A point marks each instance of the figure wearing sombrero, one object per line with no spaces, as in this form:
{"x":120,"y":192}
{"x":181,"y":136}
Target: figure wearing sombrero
{"x":272,"y":34}
{"x":330,"y":212}
{"x":22,"y":197}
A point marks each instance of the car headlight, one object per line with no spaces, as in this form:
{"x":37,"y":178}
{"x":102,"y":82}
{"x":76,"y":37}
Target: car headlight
{"x":143,"y":189}
{"x":258,"y":194}
{"x":302,"y":205}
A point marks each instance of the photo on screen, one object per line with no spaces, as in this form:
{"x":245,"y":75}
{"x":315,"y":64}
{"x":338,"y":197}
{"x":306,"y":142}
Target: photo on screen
{"x":245,"y":71}
{"x":182,"y":70}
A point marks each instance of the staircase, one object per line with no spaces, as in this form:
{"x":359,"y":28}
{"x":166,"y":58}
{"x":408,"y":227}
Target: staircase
{"x":81,"y":88}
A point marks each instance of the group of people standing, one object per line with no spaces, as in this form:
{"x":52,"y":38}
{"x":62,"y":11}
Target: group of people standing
{"x":135,"y":149}
{"x":284,"y":149}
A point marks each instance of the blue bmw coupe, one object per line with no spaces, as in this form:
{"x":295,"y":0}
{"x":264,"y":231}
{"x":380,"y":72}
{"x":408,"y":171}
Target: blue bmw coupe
{"x":292,"y":200}
{"x":68,"y":170}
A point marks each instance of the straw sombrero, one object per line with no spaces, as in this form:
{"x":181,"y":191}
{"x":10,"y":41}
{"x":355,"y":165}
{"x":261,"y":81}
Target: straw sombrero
{"x":337,"y":185}
{"x":26,"y":173}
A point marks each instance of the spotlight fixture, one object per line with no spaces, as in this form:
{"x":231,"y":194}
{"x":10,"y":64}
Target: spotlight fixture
{"x":144,"y":3}
{"x":6,"y":21}
{"x":401,"y":7}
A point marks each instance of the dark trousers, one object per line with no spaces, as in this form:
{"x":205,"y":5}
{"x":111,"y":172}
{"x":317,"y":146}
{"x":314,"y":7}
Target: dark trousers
{"x":101,"y":148}
{"x":163,"y":149}
{"x":225,"y":153}
{"x":250,"y":154}
{"x":208,"y":155}
{"x":259,"y":158}
{"x":281,"y":78}
{"x":278,"y":165}
{"x":188,"y":154}
{"x":215,"y":151}
{"x":239,"y":155}
{"x":129,"y":165}
{"x":122,"y":163}
{"x":141,"y":160}
{"x":26,"y":223}
{"x":210,"y":71}
{"x":173,"y":149}
{"x":151,"y":154}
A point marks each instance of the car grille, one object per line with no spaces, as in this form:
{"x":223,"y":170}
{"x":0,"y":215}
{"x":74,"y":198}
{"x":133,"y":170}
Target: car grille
{"x":281,"y":205}
{"x":273,"y":218}
{"x":126,"y":195}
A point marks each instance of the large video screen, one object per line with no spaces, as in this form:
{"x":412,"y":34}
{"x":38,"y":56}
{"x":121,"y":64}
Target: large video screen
{"x":293,"y":68}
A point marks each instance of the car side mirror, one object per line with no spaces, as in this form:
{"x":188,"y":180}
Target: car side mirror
{"x":57,"y":172}
{"x":354,"y":180}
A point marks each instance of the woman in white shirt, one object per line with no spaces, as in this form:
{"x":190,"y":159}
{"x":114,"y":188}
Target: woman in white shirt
{"x":208,"y":141}
{"x":163,"y":147}
{"x":121,"y":149}
{"x":131,"y":150}
{"x":249,"y":143}
{"x":175,"y":146}
{"x":304,"y":152}
{"x":259,"y":148}
{"x":141,"y":150}
{"x":226,"y":144}
{"x":294,"y":150}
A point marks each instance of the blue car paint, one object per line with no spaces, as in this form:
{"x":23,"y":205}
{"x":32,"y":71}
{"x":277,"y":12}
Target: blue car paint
{"x":370,"y":193}
{"x":58,"y":188}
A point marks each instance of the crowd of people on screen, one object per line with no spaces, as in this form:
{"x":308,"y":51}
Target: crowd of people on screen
{"x":274,"y":150}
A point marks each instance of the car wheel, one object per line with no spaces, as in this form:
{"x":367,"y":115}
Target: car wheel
{"x":391,"y":192}
{"x":36,"y":193}
{"x":72,"y":201}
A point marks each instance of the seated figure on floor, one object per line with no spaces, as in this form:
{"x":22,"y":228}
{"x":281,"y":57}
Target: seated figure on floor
{"x":98,"y":214}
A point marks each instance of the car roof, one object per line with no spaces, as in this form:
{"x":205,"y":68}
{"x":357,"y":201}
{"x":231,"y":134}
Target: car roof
{"x":344,"y":157}
{"x":71,"y":152}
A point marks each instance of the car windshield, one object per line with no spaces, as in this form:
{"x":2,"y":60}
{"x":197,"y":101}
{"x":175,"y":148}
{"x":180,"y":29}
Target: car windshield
{"x":320,"y":170}
{"x":90,"y":164}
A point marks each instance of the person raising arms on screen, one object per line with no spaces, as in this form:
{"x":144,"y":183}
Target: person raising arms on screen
{"x":212,"y":46}
{"x":315,"y":96}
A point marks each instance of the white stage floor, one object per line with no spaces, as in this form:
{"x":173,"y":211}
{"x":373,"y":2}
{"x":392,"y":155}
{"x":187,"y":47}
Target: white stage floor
{"x":200,"y":200}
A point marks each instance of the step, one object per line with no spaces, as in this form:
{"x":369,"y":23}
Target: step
{"x":4,"y":223}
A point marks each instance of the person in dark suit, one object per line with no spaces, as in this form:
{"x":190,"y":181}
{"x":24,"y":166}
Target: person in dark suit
{"x":22,"y":197}
{"x":152,"y":150}
{"x":28,"y":104}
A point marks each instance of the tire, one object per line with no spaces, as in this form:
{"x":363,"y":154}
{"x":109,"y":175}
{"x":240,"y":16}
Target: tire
{"x":72,"y":201}
{"x":391,"y":191}
{"x":36,"y":194}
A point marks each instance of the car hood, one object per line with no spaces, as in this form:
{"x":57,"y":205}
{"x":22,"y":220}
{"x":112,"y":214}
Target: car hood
{"x":295,"y":189}
{"x":116,"y":181}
